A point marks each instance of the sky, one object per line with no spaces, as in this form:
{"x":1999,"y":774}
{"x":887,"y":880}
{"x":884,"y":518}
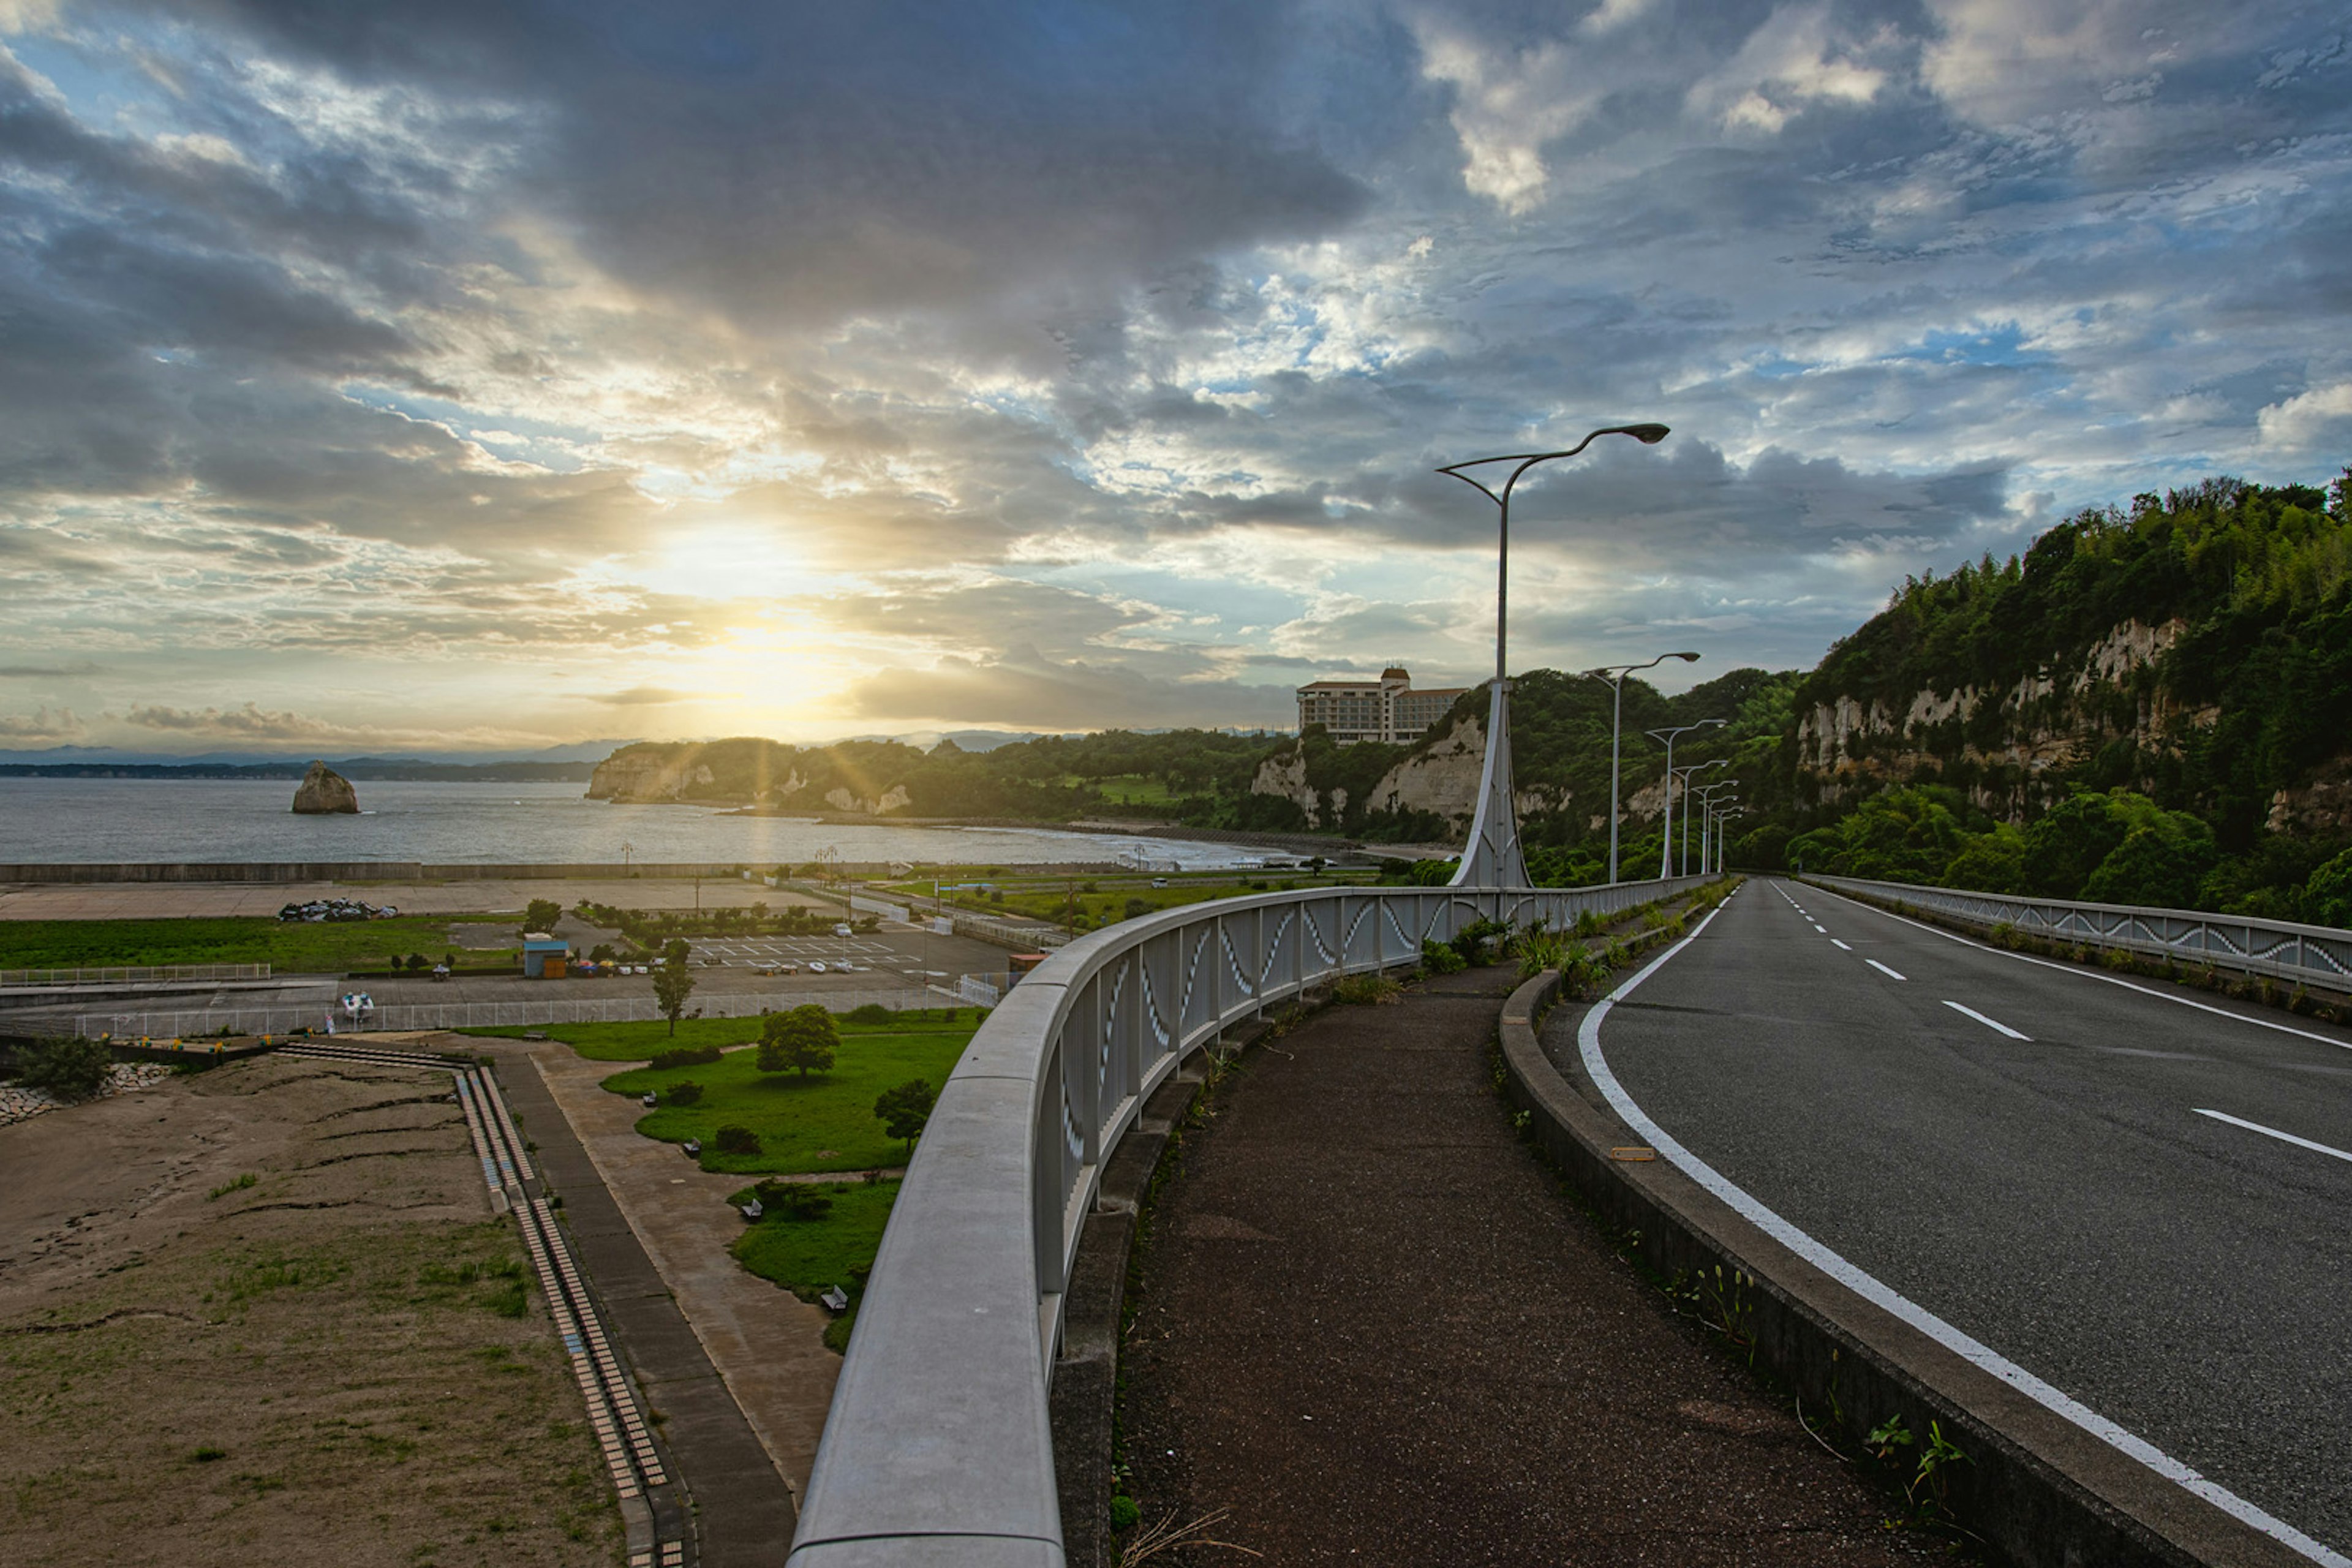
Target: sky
{"x":485,"y":375}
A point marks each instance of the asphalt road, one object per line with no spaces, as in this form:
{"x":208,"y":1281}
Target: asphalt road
{"x":2035,"y":1170}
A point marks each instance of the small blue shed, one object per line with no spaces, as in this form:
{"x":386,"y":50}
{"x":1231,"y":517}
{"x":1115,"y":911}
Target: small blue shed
{"x":538,"y":950}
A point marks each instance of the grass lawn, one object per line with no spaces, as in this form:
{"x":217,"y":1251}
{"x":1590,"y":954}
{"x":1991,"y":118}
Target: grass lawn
{"x":329,"y":947}
{"x":806,"y":1256}
{"x":641,"y":1042}
{"x":825,"y":1123}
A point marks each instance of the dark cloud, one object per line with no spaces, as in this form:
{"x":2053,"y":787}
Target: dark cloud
{"x":1026,"y":690}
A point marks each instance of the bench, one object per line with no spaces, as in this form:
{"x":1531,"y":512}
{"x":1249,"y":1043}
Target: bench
{"x":836,"y":1299}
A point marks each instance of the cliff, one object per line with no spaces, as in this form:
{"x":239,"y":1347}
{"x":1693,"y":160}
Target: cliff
{"x":324,"y":792}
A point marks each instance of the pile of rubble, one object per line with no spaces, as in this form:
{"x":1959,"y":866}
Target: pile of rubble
{"x":18,"y":1103}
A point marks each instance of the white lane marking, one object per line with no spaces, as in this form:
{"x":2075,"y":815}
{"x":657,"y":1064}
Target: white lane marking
{"x":1993,"y":1024}
{"x":2275,"y":1132}
{"x":2082,"y":973}
{"x":1588,"y":1040}
{"x":1880,"y":967}
{"x":1834,"y":942}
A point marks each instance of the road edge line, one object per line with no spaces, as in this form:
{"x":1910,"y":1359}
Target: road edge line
{"x":2041,"y":1487}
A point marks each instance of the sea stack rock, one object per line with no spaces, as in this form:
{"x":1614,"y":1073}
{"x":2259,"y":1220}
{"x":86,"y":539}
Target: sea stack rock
{"x":324,"y":791}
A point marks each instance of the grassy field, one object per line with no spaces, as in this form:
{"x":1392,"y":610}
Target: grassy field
{"x":806,"y":1256}
{"x":327,"y":948}
{"x":640,"y":1042}
{"x":825,"y":1123}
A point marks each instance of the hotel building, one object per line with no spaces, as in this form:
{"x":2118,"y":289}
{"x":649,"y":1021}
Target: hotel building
{"x":1386,"y":710}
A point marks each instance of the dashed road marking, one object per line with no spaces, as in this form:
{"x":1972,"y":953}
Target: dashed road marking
{"x":1993,"y":1024}
{"x":2275,"y":1132}
{"x":1890,"y":973}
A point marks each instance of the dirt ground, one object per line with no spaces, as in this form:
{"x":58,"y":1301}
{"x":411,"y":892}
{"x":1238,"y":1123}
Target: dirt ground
{"x":264,"y":1313}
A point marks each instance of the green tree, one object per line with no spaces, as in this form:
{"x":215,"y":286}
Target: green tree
{"x":541,"y":915}
{"x":2327,"y":896}
{"x":673,"y":982}
{"x":904,"y":1110}
{"x":802,"y":1041}
{"x":68,"y":1068}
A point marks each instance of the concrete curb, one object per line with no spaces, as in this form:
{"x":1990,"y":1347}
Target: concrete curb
{"x":2038,"y":1488}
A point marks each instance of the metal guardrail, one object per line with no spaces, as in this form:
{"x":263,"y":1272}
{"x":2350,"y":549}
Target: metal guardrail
{"x":188,"y":1023}
{"x":133,"y":974}
{"x":936,"y":1448}
{"x":2313,"y":955}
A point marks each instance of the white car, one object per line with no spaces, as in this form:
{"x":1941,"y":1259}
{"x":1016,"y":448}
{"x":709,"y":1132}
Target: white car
{"x":841,"y":931}
{"x":818,"y":967}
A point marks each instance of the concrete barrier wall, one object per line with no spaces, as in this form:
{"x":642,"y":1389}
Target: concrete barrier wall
{"x":2043,"y":1491}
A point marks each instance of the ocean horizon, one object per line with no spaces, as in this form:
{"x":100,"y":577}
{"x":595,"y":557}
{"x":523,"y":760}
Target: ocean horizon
{"x":82,"y":821}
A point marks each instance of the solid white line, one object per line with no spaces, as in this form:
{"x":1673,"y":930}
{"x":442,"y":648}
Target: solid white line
{"x":2082,"y":973}
{"x":1834,"y":942}
{"x":1993,"y":1024}
{"x":2275,"y":1132}
{"x":1588,"y":1040}
{"x":1880,"y":968}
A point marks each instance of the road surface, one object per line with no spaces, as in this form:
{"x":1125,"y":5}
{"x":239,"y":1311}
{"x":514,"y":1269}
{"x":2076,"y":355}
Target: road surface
{"x":2139,"y":1193}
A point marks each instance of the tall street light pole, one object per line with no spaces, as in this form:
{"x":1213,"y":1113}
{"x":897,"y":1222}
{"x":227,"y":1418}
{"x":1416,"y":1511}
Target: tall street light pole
{"x":1688,"y":772}
{"x":1492,"y":857}
{"x":1666,"y":838}
{"x":1706,"y":794}
{"x":1615,"y":674}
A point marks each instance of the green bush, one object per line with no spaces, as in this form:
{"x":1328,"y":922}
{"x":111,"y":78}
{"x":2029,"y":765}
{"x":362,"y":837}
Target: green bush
{"x":869,"y":1013}
{"x":685,"y":1091}
{"x":685,"y":1056}
{"x":1367,"y":990}
{"x":797,"y":1203}
{"x":71,"y":1070}
{"x":732,"y":1140}
{"x":1438,"y":958}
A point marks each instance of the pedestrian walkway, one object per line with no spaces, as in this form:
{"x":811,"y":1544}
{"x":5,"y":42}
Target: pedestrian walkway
{"x":1371,"y":1327}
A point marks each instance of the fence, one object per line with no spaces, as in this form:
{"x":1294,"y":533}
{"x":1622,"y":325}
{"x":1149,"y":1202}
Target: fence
{"x":359,"y":871}
{"x":939,"y":1421}
{"x":190,"y":1023}
{"x":134,"y":974}
{"x":2302,"y":955}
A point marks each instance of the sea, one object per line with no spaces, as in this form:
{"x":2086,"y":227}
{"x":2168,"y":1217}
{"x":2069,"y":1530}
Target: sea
{"x":58,"y":821}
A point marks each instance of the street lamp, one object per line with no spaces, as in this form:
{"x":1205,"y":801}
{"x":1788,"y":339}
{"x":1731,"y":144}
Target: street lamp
{"x":1666,"y":838}
{"x":1686,"y":769}
{"x":1492,"y":856}
{"x":1615,"y":674}
{"x":1708,"y":804}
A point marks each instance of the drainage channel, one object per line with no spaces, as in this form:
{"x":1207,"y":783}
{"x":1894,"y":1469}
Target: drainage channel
{"x":652,"y":1506}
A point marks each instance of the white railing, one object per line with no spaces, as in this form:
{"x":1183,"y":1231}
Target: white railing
{"x":188,"y":1023}
{"x":2314,"y":955}
{"x":134,"y":974}
{"x":937,"y":1448}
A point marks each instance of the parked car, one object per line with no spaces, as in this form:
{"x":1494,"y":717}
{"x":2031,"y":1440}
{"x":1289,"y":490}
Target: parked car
{"x":841,"y":931}
{"x":818,"y":967}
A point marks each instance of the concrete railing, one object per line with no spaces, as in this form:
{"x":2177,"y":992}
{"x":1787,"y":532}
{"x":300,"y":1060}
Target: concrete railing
{"x":937,"y":1449}
{"x":2300,"y":954}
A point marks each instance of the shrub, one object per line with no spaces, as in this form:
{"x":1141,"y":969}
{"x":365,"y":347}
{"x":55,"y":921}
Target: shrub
{"x":869,"y":1013}
{"x":732,"y":1140}
{"x":1440,"y":959}
{"x":418,"y":962}
{"x":685,"y":1057}
{"x":71,"y":1070}
{"x":794,"y":1202}
{"x":1367,"y":990}
{"x":685,"y":1091}
{"x":1471,"y":941}
{"x":1136,"y":908}
{"x":541,"y":915}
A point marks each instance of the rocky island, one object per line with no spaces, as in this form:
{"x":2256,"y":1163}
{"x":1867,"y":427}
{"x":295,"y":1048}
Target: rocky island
{"x":324,"y":792}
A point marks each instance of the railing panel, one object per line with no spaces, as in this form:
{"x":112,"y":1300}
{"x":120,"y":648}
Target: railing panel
{"x":2277,"y":949}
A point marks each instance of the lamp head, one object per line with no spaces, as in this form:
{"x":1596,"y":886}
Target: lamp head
{"x":1648,"y":434}
{"x":1715,"y":721}
{"x":1686,"y":657}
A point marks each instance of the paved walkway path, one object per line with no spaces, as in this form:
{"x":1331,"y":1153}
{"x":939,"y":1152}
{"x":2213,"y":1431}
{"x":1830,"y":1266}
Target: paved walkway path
{"x":1371,"y":1327}
{"x":766,"y":1342}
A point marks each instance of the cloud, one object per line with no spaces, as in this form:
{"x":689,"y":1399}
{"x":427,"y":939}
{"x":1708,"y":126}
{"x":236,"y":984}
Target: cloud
{"x":55,"y":727}
{"x":638,"y":697}
{"x":1024,"y":689}
{"x":48,"y":672}
{"x":246,"y":723}
{"x":2318,"y":423}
